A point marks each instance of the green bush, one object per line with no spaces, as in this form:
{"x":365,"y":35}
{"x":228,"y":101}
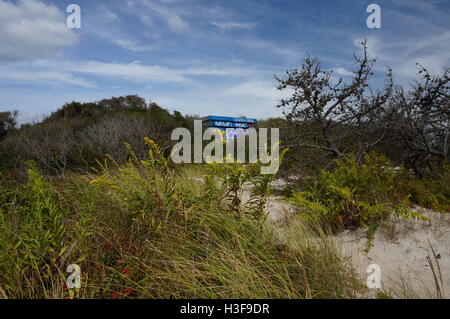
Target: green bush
{"x":353,"y":196}
{"x":431,"y":192}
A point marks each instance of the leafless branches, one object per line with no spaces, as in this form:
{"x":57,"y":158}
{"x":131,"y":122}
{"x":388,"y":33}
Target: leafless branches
{"x":336,"y":117}
{"x":330,"y":113}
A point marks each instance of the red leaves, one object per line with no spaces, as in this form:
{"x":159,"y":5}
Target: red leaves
{"x":130,"y":292}
{"x":126,"y":271}
{"x":115,"y":295}
{"x":125,"y":291}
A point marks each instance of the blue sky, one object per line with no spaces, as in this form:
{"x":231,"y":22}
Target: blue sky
{"x":202,"y":57}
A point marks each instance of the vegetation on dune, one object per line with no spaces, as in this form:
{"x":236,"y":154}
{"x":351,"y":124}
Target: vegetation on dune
{"x":143,"y":230}
{"x":352,"y":196}
{"x":74,"y":137}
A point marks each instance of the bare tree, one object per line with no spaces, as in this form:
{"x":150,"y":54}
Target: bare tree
{"x":334,"y":116}
{"x":420,"y":120}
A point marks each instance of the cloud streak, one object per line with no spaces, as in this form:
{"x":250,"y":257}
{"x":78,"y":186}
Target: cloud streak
{"x":59,"y":72}
{"x":227,"y":25}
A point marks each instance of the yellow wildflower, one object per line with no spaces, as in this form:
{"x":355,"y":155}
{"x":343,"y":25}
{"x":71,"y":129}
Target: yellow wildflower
{"x":149,"y":141}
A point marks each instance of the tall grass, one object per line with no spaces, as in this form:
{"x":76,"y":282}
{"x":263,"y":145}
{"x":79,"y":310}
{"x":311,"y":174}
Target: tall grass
{"x":146,"y":230}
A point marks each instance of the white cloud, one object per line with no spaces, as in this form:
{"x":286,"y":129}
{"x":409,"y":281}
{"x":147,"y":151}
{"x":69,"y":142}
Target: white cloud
{"x":116,"y":36}
{"x":28,"y":117}
{"x":226,"y":25}
{"x":259,"y":90}
{"x":252,"y":98}
{"x":270,"y":47}
{"x":31,"y":29}
{"x":133,"y":45}
{"x":342,"y":71}
{"x":138,"y":72}
{"x":135,"y":71}
{"x":204,"y":102}
{"x":432,"y":44}
{"x":175,"y":22}
{"x":227,"y":71}
{"x":109,"y":15}
{"x":44,"y":76}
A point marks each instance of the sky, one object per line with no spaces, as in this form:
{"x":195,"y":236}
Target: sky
{"x":203,"y":56}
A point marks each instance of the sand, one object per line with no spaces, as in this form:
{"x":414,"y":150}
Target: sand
{"x":401,"y":248}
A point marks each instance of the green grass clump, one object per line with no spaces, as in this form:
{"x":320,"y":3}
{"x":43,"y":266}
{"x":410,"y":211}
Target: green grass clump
{"x":146,"y":230}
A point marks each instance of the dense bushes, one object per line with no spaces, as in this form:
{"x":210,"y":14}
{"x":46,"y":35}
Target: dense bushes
{"x":78,"y":134}
{"x":429,"y":191}
{"x":33,"y":236}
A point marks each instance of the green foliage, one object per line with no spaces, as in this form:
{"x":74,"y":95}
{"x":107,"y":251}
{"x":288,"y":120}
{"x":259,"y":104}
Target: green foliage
{"x":33,"y":235}
{"x":144,"y":230}
{"x":353,"y":196}
{"x":428,"y":191}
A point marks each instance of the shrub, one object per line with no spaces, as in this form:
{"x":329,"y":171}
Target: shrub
{"x":432,"y":192}
{"x":352,"y":195}
{"x":78,"y":134}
